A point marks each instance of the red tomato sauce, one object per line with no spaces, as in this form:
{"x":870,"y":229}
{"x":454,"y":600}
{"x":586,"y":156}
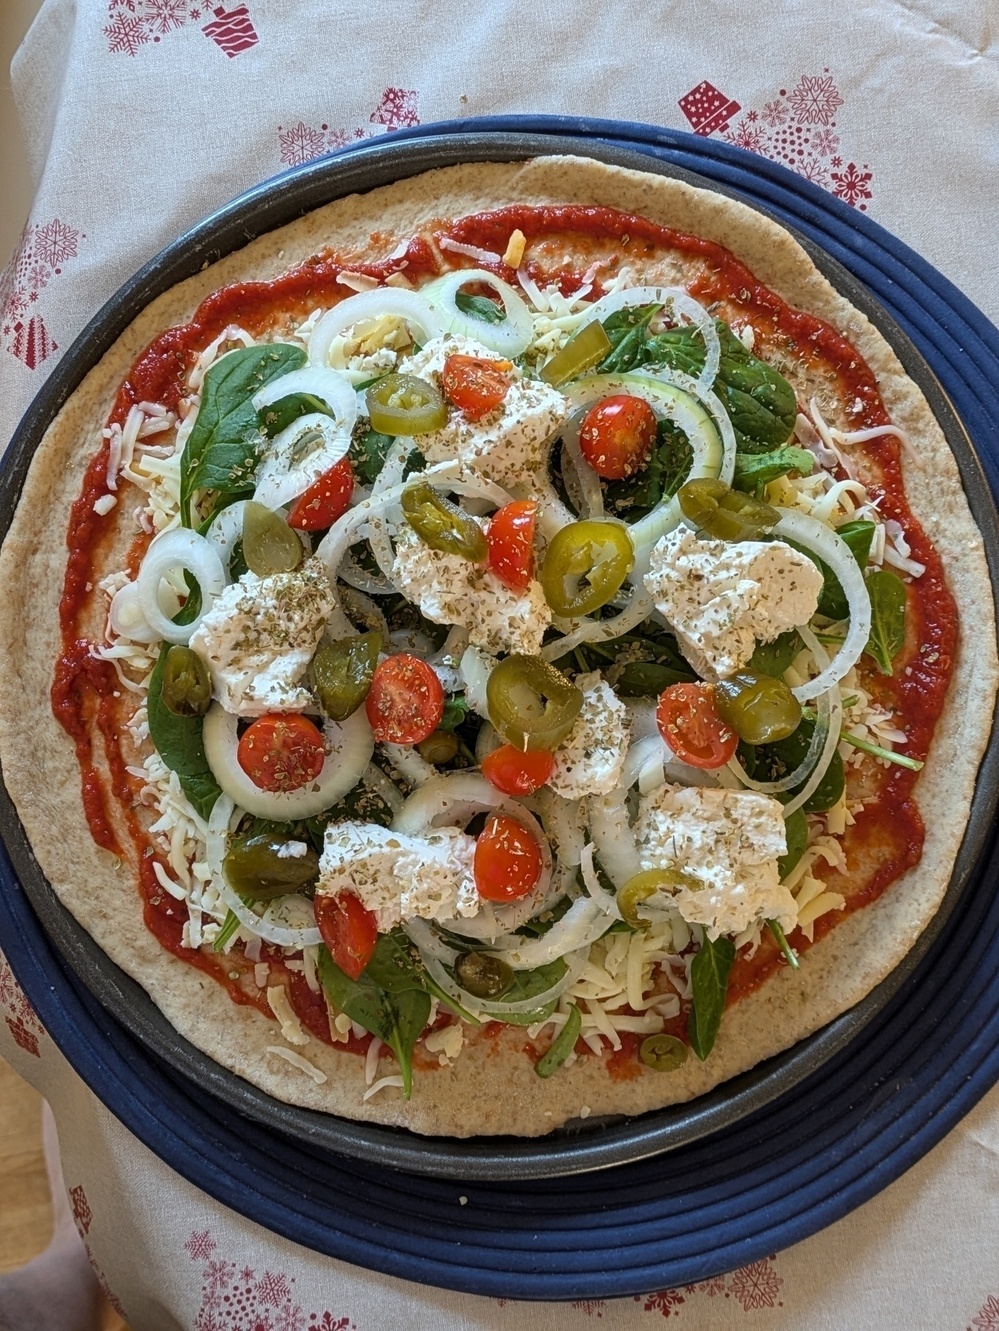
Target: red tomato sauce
{"x":84,"y":687}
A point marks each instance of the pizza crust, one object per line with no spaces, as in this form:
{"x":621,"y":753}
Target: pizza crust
{"x":492,"y":1088}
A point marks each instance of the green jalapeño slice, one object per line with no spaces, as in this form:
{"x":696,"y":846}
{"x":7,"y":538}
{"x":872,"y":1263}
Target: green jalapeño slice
{"x":727,"y":515}
{"x":185,"y":684}
{"x":342,"y":672}
{"x":584,"y":349}
{"x":404,"y":404}
{"x":441,"y":524}
{"x":585,"y":565}
{"x":531,"y":704}
{"x":646,"y":884}
{"x":263,"y":867}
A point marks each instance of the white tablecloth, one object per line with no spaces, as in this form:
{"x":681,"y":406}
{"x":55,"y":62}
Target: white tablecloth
{"x":143,"y":115}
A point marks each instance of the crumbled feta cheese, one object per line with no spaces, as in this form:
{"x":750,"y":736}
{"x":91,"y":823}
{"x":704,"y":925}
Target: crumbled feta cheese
{"x":398,"y":876}
{"x":260,"y":635}
{"x":721,"y":596}
{"x":452,"y":590}
{"x":507,"y":445}
{"x":729,"y":841}
{"x":589,"y":760}
{"x":292,"y":850}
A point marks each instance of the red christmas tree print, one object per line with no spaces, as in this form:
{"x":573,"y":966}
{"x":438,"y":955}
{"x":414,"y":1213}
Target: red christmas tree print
{"x":666,"y":1302}
{"x":757,"y":1285}
{"x":815,"y":99}
{"x":82,"y":1213}
{"x":38,"y":259}
{"x":592,"y":1307}
{"x":398,"y":109}
{"x":19,"y":1015}
{"x":707,"y":109}
{"x":987,"y":1317}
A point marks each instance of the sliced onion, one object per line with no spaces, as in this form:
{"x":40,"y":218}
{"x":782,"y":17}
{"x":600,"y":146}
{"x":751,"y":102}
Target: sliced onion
{"x":510,"y":337}
{"x":282,"y":475}
{"x":379,"y":784}
{"x":834,"y":725}
{"x":178,"y":548}
{"x":223,"y":815}
{"x":816,"y":746}
{"x":600,"y":630}
{"x":411,"y":306}
{"x":225,"y":529}
{"x":476,"y":668}
{"x":613,"y":839}
{"x":591,"y":882}
{"x":673,"y":299}
{"x":351,"y":747}
{"x":582,"y":925}
{"x":588,"y":483}
{"x":560,"y":818}
{"x":823,"y":541}
{"x":126,"y":617}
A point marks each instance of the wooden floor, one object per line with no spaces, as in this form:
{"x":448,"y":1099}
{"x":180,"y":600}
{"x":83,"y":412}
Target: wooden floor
{"x":25,"y":1209}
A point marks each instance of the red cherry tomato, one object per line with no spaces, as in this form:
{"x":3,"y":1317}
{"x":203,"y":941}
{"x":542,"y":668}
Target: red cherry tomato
{"x":474,"y":385}
{"x":507,"y":863}
{"x":349,"y":930}
{"x":517,"y":773}
{"x":281,"y":753}
{"x":689,"y":723}
{"x":405,"y":702}
{"x":617,"y":436}
{"x":325,"y":500}
{"x":510,"y":538}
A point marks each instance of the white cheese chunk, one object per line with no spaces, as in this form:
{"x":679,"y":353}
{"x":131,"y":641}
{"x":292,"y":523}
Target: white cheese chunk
{"x":280,"y":1005}
{"x":259,"y":637}
{"x":590,"y":758}
{"x":729,"y":842}
{"x":723,"y":596}
{"x":507,"y":445}
{"x":452,"y":590}
{"x":397,"y":876}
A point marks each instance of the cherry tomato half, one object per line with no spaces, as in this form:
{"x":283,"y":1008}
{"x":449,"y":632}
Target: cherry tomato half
{"x":325,"y":500}
{"x":281,"y":752}
{"x":349,"y":930}
{"x":689,"y":723}
{"x":617,"y":436}
{"x":515,"y":772}
{"x":405,"y":702}
{"x":474,"y":385}
{"x":507,"y":863}
{"x":510,"y":538}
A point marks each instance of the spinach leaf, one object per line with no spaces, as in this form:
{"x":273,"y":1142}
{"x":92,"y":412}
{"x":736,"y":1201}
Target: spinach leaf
{"x":279,"y":415}
{"x":368,"y":450}
{"x":783,"y":944}
{"x":180,"y":743}
{"x":645,"y":679}
{"x":709,"y":972}
{"x":455,"y":710}
{"x":888,"y":601}
{"x":480,"y":307}
{"x":396,"y":1016}
{"x":562,"y":1046}
{"x":221,"y":451}
{"x":773,"y":658}
{"x":669,"y":464}
{"x":627,"y":332}
{"x":796,"y":834}
{"x":858,"y":535}
{"x":753,"y":470}
{"x":774,"y":761}
{"x":528,"y":984}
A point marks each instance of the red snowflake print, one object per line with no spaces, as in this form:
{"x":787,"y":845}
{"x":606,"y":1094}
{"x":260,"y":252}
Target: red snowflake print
{"x":194,"y":15}
{"x":757,"y":1285}
{"x":707,"y":109}
{"x":814,"y":100}
{"x":165,"y":15}
{"x":231,"y":30}
{"x":82,"y":1213}
{"x":55,"y":242}
{"x":592,"y":1307}
{"x":398,"y":109}
{"x":712,"y":1287}
{"x":125,"y":34}
{"x":663,"y":1301}
{"x":300,"y":144}
{"x":852,"y":185}
{"x":814,"y":170}
{"x":273,"y":1289}
{"x":987,"y":1317}
{"x":201,"y":1246}
{"x":327,"y":1323}
{"x":825,"y":142}
{"x":774,"y":113}
{"x":747,"y":135}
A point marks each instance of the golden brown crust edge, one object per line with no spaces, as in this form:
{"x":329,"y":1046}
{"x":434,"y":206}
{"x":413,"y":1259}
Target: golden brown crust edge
{"x":481,"y":1093}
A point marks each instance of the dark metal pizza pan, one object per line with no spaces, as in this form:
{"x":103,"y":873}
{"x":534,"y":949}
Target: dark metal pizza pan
{"x":202,"y":1118}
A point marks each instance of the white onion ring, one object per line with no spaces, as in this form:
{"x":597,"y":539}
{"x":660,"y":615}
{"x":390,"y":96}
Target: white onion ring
{"x":225,"y":529}
{"x":591,"y":882}
{"x":510,"y":337}
{"x":834,"y":723}
{"x":592,"y":496}
{"x":222,"y":816}
{"x":674,"y":298}
{"x":411,"y":306}
{"x":613,"y":838}
{"x":178,"y":548}
{"x":599,"y":630}
{"x":281,"y":477}
{"x":815,"y":536}
{"x":126,"y":617}
{"x":351,"y":747}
